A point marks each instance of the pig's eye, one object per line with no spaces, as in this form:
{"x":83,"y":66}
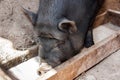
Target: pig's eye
{"x":45,"y":35}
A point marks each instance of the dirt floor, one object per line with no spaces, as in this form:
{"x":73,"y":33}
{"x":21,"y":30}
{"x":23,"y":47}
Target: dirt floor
{"x":14,"y":25}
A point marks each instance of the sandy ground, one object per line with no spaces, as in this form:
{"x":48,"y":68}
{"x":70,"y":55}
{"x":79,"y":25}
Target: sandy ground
{"x":14,"y":25}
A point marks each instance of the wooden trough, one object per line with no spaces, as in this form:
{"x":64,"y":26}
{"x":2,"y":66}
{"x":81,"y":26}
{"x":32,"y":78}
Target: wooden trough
{"x":107,"y":41}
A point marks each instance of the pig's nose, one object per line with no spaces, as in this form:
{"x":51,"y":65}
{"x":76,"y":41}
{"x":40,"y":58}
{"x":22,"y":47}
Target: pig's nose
{"x":54,"y":57}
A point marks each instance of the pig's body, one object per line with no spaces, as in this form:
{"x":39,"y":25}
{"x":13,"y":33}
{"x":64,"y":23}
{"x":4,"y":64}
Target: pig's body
{"x":64,"y":27}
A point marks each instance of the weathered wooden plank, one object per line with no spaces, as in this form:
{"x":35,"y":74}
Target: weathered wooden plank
{"x":26,"y":70}
{"x":113,"y":17}
{"x":3,"y":75}
{"x":10,"y":57}
{"x":83,"y":61}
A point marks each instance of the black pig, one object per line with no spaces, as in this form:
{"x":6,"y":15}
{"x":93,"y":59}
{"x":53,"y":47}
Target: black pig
{"x":64,"y":27}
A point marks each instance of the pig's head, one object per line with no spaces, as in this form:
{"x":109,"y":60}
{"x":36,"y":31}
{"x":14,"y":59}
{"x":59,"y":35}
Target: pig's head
{"x":59,"y":38}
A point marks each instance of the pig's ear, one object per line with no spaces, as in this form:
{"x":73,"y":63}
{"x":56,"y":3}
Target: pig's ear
{"x":31,"y":16}
{"x":67,"y":26}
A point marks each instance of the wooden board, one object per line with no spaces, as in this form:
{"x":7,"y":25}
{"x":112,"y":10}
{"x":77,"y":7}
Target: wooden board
{"x":10,"y":57}
{"x":26,"y":70}
{"x":3,"y":75}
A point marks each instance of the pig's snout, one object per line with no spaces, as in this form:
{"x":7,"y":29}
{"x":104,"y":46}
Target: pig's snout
{"x":53,"y":57}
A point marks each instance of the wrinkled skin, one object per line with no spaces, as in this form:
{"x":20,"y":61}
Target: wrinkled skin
{"x":64,"y":27}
